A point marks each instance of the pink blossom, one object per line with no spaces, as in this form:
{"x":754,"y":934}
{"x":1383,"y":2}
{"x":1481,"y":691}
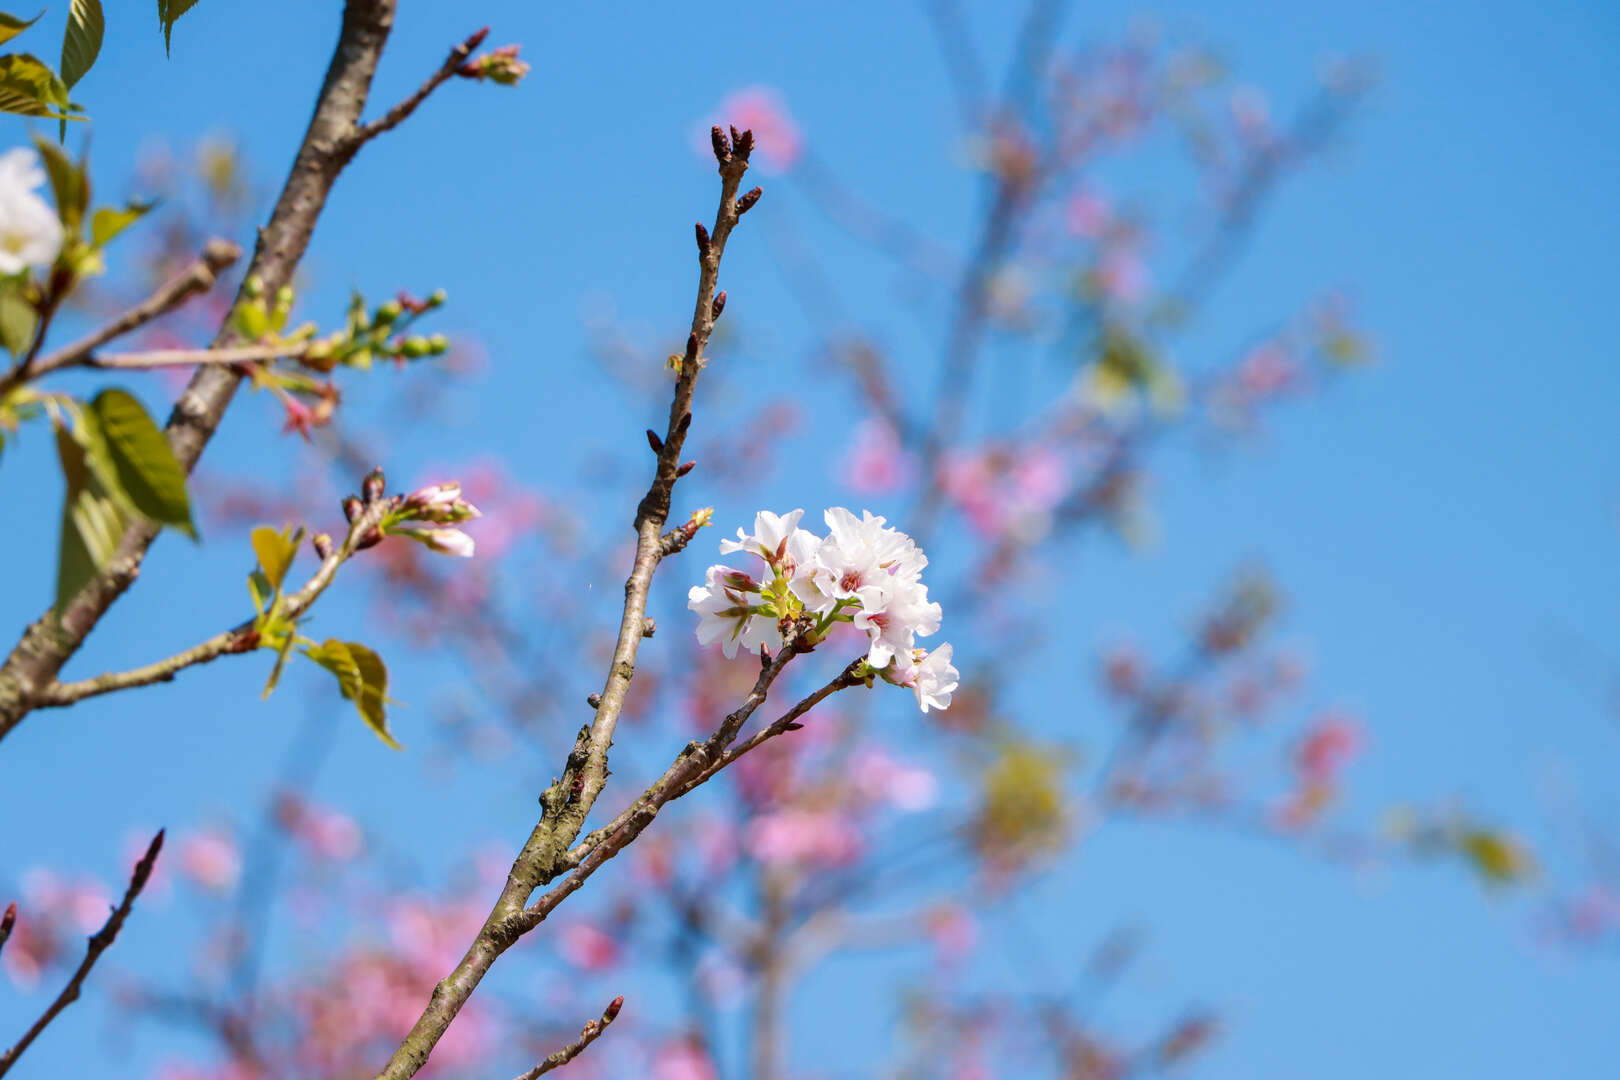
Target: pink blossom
{"x":1005,"y":490}
{"x":1121,"y":275}
{"x":881,"y":778}
{"x":210,"y":858}
{"x":809,"y":837}
{"x":1327,"y":747}
{"x":588,"y":947}
{"x":877,"y":462}
{"x":1087,"y":215}
{"x":1267,"y":370}
{"x":684,"y":1060}
{"x":759,"y":109}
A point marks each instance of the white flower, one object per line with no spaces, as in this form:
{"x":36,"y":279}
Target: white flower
{"x":770,"y":537}
{"x":859,"y":554}
{"x":724,"y":612}
{"x":444,"y":541}
{"x":895,"y":615}
{"x":30,"y":234}
{"x":930,"y":675}
{"x":441,"y":503}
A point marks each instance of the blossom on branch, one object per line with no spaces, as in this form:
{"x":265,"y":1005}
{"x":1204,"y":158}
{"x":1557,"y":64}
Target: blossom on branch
{"x":863,"y":572}
{"x":30,"y":234}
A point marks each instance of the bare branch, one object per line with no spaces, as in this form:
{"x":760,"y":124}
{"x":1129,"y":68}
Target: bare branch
{"x":567,"y":802}
{"x":99,"y":942}
{"x":398,"y":114}
{"x":591,"y":1032}
{"x":217,"y":257}
{"x":166,"y":358}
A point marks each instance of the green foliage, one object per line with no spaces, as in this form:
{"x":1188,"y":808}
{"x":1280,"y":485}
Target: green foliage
{"x":147,"y":471}
{"x":168,"y":12}
{"x":11,"y":26}
{"x":29,"y":88}
{"x":107,"y":222}
{"x":18,"y":319}
{"x":92,"y":521}
{"x":82,"y":41}
{"x":118,"y":467}
{"x":363,"y":678}
{"x":275,"y":550}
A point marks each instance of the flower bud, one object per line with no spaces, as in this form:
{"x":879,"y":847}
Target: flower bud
{"x":746,"y":203}
{"x":351,"y":507}
{"x":437,"y":297}
{"x":438,"y":345}
{"x":371,"y":488}
{"x":322,"y":543}
{"x":389,"y":312}
{"x":253,"y":287}
{"x":612,"y":1011}
{"x":414,"y":347}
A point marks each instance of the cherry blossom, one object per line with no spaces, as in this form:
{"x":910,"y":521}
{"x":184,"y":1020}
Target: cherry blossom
{"x":30,"y":234}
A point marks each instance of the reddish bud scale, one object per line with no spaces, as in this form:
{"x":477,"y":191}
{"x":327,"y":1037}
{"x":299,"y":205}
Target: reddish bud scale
{"x":475,"y":40}
{"x":703,"y":241}
{"x":718,"y":305}
{"x":744,"y":143}
{"x":722,"y":149}
{"x":612,"y":1011}
{"x":351,"y":507}
{"x":685,"y":468}
{"x":371,"y":488}
{"x":746,"y":203}
{"x":654,"y":441}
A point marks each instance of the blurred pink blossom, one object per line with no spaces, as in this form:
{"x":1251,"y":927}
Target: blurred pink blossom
{"x":210,"y":858}
{"x":880,"y":778}
{"x":1329,"y":744}
{"x":588,"y":947}
{"x":877,"y":462}
{"x":804,"y":837}
{"x":684,"y":1060}
{"x":759,"y":109}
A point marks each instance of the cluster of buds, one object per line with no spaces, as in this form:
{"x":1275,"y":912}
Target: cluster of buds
{"x":378,"y":334}
{"x":427,"y":515}
{"x":862,"y":572}
{"x":499,"y":66}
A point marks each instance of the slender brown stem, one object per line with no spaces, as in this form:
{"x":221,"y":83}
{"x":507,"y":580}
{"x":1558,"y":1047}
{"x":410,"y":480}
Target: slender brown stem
{"x":99,"y":942}
{"x":591,"y":1032}
{"x":569,"y":799}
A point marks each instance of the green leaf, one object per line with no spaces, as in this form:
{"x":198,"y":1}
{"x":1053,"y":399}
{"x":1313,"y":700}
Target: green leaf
{"x":363,"y":679}
{"x":29,"y":88}
{"x":82,"y":41}
{"x":260,"y":589}
{"x":287,"y":639}
{"x":107,"y":222}
{"x":168,"y":12}
{"x":17,"y":320}
{"x":145,"y":465}
{"x":11,"y":26}
{"x":68,"y":183}
{"x":92,"y":522}
{"x":275,"y":551}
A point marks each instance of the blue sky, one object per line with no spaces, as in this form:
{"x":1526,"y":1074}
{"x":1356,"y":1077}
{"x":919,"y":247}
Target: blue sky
{"x":1444,"y":524}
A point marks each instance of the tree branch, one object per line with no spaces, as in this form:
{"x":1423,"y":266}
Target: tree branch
{"x":99,"y":942}
{"x":591,"y":1032}
{"x":163,"y":358}
{"x":238,"y":639}
{"x":217,"y":257}
{"x":7,"y":921}
{"x":328,"y":146}
{"x":398,"y":114}
{"x":569,"y":799}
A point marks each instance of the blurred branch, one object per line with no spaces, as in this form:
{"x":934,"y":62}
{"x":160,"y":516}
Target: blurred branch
{"x":962,"y":62}
{"x":592,"y":1031}
{"x":7,"y":921}
{"x":217,"y":256}
{"x":99,"y":942}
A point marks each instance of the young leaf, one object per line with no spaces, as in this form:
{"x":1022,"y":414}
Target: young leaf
{"x":168,"y":12}
{"x":11,"y":26}
{"x":145,"y":465}
{"x":275,"y":551}
{"x":82,"y":41}
{"x":68,"y":183}
{"x":287,"y":639}
{"x":107,"y":222}
{"x":260,"y":589}
{"x":92,"y":523}
{"x":362,"y":678}
{"x":17,"y":320}
{"x":29,"y":88}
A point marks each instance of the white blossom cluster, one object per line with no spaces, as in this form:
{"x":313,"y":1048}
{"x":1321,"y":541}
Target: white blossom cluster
{"x":862,"y":572}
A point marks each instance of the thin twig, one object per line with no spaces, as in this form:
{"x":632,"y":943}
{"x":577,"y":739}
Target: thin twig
{"x":99,"y":942}
{"x":567,"y":802}
{"x":165,"y":358}
{"x":591,"y":1032}
{"x":217,"y":256}
{"x":397,"y":115}
{"x":7,"y":921}
{"x":238,"y":639}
